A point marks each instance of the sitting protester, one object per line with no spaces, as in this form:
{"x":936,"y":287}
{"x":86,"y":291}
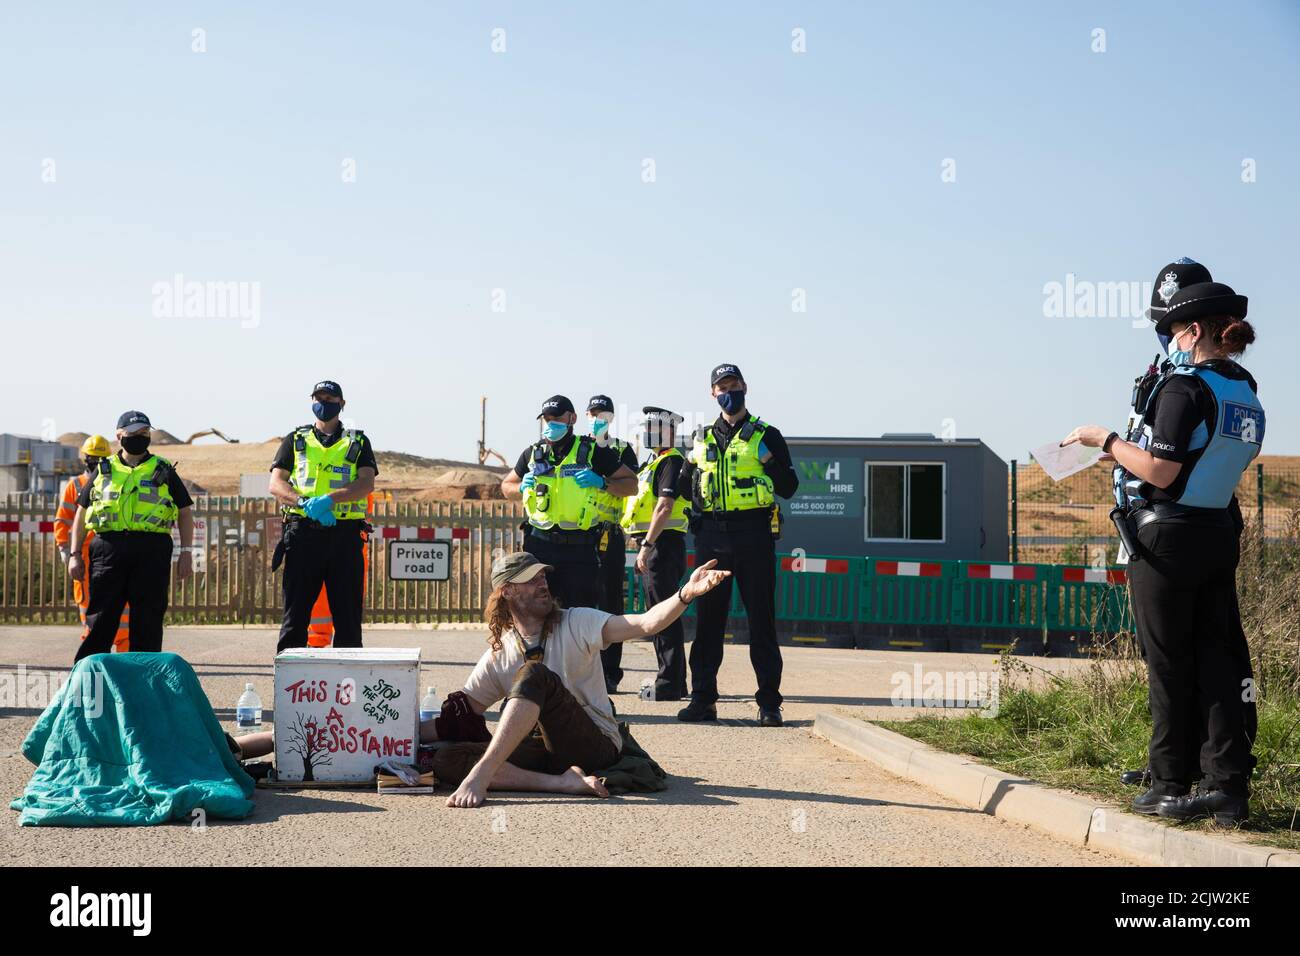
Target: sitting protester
{"x":557,"y":726}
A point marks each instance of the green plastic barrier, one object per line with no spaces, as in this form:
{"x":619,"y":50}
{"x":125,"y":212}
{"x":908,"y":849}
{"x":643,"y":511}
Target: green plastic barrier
{"x":1088,"y":599}
{"x":906,"y":592}
{"x":1000,"y":594}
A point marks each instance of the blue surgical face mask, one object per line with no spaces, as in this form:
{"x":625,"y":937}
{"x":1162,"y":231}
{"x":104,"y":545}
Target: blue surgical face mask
{"x":732,"y":401}
{"x":554,"y":431}
{"x":1179,"y":356}
{"x":326,"y":411}
{"x":599,"y":426}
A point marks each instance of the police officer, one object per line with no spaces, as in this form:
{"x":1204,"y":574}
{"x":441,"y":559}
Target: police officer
{"x":1168,"y":281}
{"x":611,"y":545}
{"x":1203,"y":425}
{"x":737,"y":469}
{"x":656,"y":520}
{"x":322,"y":474}
{"x":558,"y":478}
{"x":131,"y":505}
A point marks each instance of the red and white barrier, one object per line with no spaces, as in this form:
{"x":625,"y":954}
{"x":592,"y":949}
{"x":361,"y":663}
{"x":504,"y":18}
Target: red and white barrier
{"x":26,"y":527}
{"x":909,"y":569}
{"x":410,"y":533}
{"x":1002,"y":572}
{"x":815,"y":565}
{"x":1093,"y":576}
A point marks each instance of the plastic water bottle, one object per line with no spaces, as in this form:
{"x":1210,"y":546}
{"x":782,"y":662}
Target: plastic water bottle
{"x":248,"y":711}
{"x":647,"y":691}
{"x":429,"y":706}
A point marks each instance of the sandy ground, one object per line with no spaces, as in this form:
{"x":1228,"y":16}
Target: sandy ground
{"x":739,"y":794}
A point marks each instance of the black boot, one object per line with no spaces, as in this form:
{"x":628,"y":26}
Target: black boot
{"x":1150,"y":802}
{"x":1227,"y":810}
{"x":693,"y":712}
{"x":1136,"y":778}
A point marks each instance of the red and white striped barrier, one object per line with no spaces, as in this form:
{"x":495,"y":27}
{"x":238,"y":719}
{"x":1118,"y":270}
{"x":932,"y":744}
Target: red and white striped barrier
{"x":26,"y":527}
{"x":410,"y":533}
{"x":815,"y":565}
{"x":909,"y":569}
{"x":1093,"y":576}
{"x":1002,"y":572}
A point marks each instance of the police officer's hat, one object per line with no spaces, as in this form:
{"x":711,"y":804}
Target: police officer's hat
{"x":655,"y":414}
{"x":1175,"y":276}
{"x":601,"y":403}
{"x":133,"y":421}
{"x":555,"y":406}
{"x":1200,"y":301}
{"x":724,"y":370}
{"x":330,"y":388}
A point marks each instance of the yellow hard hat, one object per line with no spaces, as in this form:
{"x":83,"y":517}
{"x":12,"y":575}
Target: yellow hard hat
{"x":96,"y":446}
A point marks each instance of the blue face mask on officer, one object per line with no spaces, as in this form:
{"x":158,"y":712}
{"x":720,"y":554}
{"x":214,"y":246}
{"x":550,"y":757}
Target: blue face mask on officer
{"x":554,"y":431}
{"x":732,"y":401}
{"x":326,"y":411}
{"x":1179,"y":356}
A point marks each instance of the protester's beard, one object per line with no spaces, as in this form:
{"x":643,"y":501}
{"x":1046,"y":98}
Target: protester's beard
{"x":535,"y":605}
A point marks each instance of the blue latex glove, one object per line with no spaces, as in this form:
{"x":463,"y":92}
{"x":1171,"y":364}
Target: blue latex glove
{"x":527,"y":482}
{"x":762,"y":451}
{"x":321,"y":509}
{"x":589,"y":479}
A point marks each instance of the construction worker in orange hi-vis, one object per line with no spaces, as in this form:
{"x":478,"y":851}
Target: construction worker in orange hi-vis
{"x":93,"y":450}
{"x":320,"y":629}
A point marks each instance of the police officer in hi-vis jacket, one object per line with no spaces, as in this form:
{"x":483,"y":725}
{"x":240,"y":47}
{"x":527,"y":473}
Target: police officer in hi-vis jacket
{"x":738,"y":467}
{"x":559,"y":478}
{"x":611,"y":545}
{"x":322,"y":474}
{"x":131,"y":505}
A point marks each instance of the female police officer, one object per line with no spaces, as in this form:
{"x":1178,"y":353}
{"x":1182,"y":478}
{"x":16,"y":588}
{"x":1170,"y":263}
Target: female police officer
{"x":1204,"y":425}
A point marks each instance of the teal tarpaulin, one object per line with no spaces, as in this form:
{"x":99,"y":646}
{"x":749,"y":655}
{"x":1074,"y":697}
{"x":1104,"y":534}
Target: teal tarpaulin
{"x":130,"y":740}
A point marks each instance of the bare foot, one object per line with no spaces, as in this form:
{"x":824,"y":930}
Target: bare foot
{"x":470,"y":793}
{"x":573,"y":781}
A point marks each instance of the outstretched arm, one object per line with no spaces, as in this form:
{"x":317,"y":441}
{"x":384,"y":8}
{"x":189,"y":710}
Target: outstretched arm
{"x":626,"y":627}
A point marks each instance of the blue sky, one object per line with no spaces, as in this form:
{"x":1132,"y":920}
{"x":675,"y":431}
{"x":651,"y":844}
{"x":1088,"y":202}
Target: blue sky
{"x":522,"y":171}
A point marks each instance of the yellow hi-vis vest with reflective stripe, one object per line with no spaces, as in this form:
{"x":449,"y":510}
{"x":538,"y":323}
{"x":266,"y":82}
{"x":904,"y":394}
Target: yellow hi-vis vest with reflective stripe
{"x":731,"y":478}
{"x":557,"y":500}
{"x":318,"y":470}
{"x":126,"y":498}
{"x":641,"y":506}
{"x":611,"y":506}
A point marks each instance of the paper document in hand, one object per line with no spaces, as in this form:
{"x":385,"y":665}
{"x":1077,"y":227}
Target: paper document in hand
{"x":1060,"y":462}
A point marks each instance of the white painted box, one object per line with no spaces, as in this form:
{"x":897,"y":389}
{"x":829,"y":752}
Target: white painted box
{"x":339,"y":711}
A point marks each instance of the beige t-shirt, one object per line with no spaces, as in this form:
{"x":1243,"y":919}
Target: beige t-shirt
{"x":572,"y":651}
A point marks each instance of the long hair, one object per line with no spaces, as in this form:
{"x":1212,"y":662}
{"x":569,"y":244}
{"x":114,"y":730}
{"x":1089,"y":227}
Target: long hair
{"x":499,"y":619}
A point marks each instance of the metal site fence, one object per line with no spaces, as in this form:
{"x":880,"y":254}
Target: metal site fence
{"x":1068,"y":521}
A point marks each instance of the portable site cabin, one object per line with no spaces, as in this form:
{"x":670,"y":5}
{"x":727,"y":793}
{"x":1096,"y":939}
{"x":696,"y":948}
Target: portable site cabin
{"x":910,"y":496}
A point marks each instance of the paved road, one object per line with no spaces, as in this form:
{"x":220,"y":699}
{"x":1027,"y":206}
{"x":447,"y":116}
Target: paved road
{"x":739,"y":794}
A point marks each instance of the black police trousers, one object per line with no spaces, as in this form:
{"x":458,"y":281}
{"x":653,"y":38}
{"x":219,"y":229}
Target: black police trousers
{"x":664,"y":569}
{"x":613,"y":574}
{"x":315,"y":556}
{"x":127,"y":566}
{"x":575,"y":582}
{"x":750,"y":556}
{"x":1198,"y":663}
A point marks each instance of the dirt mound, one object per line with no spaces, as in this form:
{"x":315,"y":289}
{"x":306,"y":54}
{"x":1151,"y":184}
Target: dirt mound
{"x":72,"y":438}
{"x":161,"y":437}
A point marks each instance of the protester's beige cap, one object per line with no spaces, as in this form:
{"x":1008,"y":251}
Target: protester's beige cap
{"x":517,"y":568}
